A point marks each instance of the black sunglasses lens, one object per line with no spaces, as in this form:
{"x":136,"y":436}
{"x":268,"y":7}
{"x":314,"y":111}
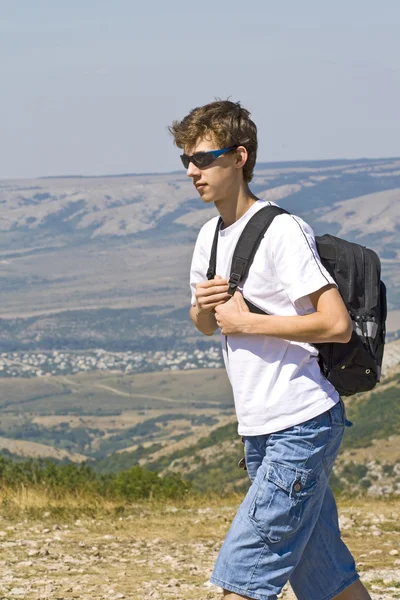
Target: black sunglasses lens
{"x":200,"y":159}
{"x":203,"y":159}
{"x":185,"y":160}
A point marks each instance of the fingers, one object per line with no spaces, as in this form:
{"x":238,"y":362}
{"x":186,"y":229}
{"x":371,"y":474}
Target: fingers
{"x":212,"y":293}
{"x":214,"y":299}
{"x":217,"y":312}
{"x":212,"y":302}
{"x":217,"y":305}
{"x":211,"y":282}
{"x":213,"y":290}
{"x":238,"y":297}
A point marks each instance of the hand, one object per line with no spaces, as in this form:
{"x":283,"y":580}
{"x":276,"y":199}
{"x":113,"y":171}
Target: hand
{"x":232,"y":316}
{"x":211,"y":293}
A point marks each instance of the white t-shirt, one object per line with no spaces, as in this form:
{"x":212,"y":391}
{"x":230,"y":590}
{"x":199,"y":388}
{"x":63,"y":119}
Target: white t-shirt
{"x":276,"y":383}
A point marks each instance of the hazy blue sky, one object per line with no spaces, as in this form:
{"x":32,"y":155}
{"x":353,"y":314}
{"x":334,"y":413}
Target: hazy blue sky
{"x":89,"y":86}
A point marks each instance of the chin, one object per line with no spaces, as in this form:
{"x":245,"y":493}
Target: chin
{"x":207,"y":199}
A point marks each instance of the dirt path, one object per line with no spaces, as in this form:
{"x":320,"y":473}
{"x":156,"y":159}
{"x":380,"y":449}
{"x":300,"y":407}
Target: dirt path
{"x":133,"y":395}
{"x":163,"y":553}
{"x":112,"y":390}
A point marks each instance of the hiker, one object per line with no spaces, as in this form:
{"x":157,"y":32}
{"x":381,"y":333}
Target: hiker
{"x":290,"y":416}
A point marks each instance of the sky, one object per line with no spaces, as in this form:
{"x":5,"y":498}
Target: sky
{"x":89,"y":87}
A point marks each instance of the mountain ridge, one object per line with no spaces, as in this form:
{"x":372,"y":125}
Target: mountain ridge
{"x":168,"y":191}
{"x":125,"y":242}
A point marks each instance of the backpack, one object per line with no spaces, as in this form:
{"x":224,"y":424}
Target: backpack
{"x":351,"y":367}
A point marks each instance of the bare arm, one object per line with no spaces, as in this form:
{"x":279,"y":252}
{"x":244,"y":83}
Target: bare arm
{"x":204,"y":321}
{"x":329,"y":323}
{"x":209,"y":295}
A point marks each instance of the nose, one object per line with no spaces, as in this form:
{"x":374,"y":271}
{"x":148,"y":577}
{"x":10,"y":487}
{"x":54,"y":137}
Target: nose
{"x":192,"y":170}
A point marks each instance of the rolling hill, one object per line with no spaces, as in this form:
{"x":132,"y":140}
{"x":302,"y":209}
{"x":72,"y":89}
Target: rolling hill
{"x":87,"y":260}
{"x":183,"y":422}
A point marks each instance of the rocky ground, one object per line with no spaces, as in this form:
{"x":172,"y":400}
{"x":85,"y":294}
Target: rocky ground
{"x":163,"y":552}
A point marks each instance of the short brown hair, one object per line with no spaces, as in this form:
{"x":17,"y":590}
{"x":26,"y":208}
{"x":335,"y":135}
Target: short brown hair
{"x":227,"y":121}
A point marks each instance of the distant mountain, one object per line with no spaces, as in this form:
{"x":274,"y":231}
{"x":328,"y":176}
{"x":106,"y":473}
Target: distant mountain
{"x":124,"y":242}
{"x":364,"y":192}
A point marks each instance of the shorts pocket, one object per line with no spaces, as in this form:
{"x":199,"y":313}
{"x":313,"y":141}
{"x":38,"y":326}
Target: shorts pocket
{"x":281,"y":501}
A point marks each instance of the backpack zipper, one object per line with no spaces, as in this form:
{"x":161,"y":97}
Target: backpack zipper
{"x":367,"y":340}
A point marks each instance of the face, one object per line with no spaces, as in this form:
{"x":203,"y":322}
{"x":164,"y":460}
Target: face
{"x":222,"y":178}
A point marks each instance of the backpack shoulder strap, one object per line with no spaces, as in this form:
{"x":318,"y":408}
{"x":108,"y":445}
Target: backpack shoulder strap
{"x":213,"y":256}
{"x":249,"y":242}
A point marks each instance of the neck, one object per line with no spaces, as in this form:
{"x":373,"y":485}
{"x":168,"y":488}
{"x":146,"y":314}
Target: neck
{"x":235,"y":205}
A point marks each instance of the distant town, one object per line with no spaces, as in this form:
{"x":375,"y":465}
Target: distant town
{"x":58,"y":362}
{"x":48,"y":363}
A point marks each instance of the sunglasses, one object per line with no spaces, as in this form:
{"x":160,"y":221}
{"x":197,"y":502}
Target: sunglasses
{"x":204,"y":159}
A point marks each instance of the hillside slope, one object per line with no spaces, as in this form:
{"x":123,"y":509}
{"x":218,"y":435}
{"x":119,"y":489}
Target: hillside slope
{"x":370,"y":454}
{"x":72,"y":248}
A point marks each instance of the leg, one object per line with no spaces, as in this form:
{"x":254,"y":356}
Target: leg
{"x":355,"y":591}
{"x":275,"y":521}
{"x":327,"y":567}
{"x":255,"y":452}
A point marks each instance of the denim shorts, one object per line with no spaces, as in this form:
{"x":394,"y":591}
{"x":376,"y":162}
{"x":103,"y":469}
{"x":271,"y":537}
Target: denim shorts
{"x":286,"y":529}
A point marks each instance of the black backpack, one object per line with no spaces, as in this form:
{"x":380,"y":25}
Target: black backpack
{"x":351,"y":367}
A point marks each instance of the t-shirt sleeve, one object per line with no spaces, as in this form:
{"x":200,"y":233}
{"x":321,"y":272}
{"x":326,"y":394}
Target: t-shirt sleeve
{"x":199,"y":265}
{"x":296,"y":259}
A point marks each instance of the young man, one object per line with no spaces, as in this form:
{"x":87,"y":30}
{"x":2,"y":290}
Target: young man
{"x":291,"y":418}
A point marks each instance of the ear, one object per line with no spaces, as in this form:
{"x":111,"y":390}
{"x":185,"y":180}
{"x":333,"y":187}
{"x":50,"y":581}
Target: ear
{"x":241,"y":157}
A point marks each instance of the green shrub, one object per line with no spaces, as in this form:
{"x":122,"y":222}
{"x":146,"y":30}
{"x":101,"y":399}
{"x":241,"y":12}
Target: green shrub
{"x":354,"y":472}
{"x":133,"y":484}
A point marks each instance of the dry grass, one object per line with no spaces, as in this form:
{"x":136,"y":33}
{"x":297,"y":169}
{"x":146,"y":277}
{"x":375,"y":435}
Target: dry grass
{"x":386,"y":451}
{"x":36,"y":450}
